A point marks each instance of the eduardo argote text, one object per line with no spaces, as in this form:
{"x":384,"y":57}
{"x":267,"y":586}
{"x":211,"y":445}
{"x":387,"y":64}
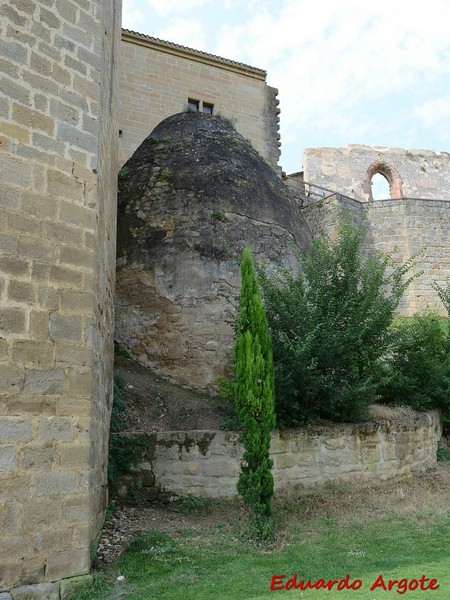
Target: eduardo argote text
{"x":401,"y":586}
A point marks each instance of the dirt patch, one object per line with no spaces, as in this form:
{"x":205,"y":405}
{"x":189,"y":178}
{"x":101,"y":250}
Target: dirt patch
{"x":424,"y":496}
{"x":155,"y":404}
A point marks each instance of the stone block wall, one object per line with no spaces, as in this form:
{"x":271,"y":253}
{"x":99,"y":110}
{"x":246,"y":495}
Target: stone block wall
{"x":158,"y":78}
{"x":58,"y":165}
{"x":206,"y":463}
{"x":415,"y":173}
{"x":403,"y":228}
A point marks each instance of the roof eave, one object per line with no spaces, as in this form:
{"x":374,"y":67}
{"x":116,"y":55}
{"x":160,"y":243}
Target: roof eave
{"x":147,"y":41}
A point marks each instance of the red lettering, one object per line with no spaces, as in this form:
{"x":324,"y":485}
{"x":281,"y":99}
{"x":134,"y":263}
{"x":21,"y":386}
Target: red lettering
{"x":391,"y":583}
{"x":356,"y":584}
{"x":276,"y":581}
{"x":402,"y":586}
{"x":291,"y":582}
{"x":432,"y":584}
{"x":320,"y":584}
{"x":379,"y":582}
{"x":331,"y":583}
{"x":343,"y":583}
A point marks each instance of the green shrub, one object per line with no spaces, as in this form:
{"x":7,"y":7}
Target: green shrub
{"x":442,"y":454}
{"x":419,"y":363}
{"x":120,"y":350}
{"x":254,"y":389}
{"x":166,"y":174}
{"x":122,"y":449}
{"x":119,"y":407}
{"x":330,"y":328}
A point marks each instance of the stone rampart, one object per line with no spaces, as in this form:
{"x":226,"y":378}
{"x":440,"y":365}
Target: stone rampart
{"x":412,"y":173}
{"x":206,"y":463}
{"x":58,"y":165}
{"x":403,"y":228}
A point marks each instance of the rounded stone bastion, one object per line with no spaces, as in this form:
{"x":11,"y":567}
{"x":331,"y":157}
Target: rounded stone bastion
{"x":191,"y":197}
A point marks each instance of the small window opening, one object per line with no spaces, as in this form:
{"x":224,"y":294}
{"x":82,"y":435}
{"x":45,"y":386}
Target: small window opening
{"x":193,"y":104}
{"x":200,"y":106}
{"x":381,"y":189}
{"x":208,"y":108}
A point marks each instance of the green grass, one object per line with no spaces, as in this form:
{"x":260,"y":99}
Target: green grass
{"x":319,"y":537}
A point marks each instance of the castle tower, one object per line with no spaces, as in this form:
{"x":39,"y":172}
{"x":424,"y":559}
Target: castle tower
{"x":58,"y":164}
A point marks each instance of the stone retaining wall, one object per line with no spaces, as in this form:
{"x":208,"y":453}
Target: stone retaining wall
{"x":206,"y":463}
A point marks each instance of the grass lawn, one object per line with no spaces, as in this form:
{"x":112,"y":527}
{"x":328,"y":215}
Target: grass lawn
{"x":399,"y":531}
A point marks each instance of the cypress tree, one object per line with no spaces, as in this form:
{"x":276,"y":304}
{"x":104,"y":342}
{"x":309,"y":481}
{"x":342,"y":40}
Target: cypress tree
{"x":255,"y":399}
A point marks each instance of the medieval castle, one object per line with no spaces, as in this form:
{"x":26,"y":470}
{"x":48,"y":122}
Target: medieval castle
{"x":70,"y":115}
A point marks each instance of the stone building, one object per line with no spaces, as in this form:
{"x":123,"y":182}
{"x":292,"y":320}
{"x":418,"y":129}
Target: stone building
{"x":59,"y":152}
{"x":160,"y":79}
{"x":58,"y":174}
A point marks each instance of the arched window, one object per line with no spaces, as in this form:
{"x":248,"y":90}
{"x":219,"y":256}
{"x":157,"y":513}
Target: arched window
{"x":381,"y":188}
{"x":382,"y":182}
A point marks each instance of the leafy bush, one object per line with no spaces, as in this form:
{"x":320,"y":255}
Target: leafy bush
{"x":442,"y":454}
{"x":254,"y":389}
{"x":117,"y":424}
{"x":119,"y":407}
{"x":120,"y":350}
{"x":419,"y":363}
{"x":330,"y":327}
{"x":122,"y":449}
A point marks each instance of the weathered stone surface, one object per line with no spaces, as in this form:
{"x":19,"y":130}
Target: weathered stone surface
{"x":70,"y":586}
{"x":420,"y":173}
{"x":193,"y":195}
{"x":57,"y":270}
{"x":49,"y":591}
{"x":206,"y":463}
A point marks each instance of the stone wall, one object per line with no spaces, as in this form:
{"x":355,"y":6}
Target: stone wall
{"x":158,"y":78}
{"x":58,"y":164}
{"x":414,"y":173}
{"x":402,"y":227}
{"x":206,"y":463}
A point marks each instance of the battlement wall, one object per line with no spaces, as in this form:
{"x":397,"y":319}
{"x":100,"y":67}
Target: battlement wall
{"x":414,"y":173}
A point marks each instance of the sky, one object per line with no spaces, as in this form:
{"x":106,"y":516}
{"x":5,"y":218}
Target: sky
{"x":347,"y":71}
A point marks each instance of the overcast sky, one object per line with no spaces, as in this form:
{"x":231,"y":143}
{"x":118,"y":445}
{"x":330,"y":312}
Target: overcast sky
{"x":347,"y":71}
